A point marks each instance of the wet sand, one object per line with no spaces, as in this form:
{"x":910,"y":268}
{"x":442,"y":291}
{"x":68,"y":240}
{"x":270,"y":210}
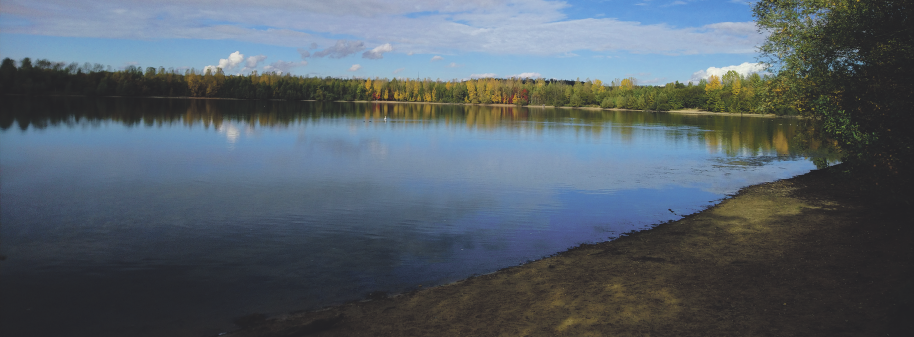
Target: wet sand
{"x":821,"y":254}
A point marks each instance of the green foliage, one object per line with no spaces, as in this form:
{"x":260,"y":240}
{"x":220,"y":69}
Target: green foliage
{"x":43,"y":77}
{"x":847,"y":63}
{"x":575,"y":100}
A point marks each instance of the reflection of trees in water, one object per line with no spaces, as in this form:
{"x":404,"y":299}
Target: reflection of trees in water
{"x":731,"y":135}
{"x":751,"y":136}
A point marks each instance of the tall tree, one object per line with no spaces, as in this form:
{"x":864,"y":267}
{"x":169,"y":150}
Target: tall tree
{"x":847,"y":63}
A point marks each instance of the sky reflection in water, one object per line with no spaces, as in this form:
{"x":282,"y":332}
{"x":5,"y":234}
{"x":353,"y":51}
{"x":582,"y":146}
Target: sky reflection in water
{"x":151,"y":217}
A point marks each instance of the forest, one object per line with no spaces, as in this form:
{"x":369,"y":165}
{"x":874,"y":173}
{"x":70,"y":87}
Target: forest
{"x":732,"y":92}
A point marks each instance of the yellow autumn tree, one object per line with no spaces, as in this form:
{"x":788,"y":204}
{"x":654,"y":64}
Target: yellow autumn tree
{"x":713,"y":90}
{"x":482,"y":94}
{"x":598,"y":87}
{"x":195,"y":83}
{"x":713,"y":84}
{"x":471,"y":92}
{"x":378,"y":86}
{"x":628,"y":84}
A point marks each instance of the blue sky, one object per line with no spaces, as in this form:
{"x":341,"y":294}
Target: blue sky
{"x":654,"y":41}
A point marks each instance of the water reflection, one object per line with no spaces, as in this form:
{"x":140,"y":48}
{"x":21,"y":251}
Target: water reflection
{"x":168,"y":216}
{"x":732,"y":135}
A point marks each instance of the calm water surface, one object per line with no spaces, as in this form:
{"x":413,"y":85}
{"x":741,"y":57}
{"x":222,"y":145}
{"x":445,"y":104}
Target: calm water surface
{"x":150,"y":217}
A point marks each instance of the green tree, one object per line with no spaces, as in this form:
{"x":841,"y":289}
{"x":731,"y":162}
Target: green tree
{"x":7,"y":75}
{"x":847,"y":63}
{"x":575,"y":100}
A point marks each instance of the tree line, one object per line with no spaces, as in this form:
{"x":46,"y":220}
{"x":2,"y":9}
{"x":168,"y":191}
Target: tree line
{"x":732,"y":92}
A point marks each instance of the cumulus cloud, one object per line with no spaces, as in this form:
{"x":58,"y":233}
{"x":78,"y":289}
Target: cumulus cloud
{"x":341,"y":49}
{"x":527,"y":75}
{"x":378,"y":52}
{"x":232,"y":61}
{"x":283,"y":67}
{"x":235,"y":60}
{"x":355,"y":67}
{"x":437,"y":58}
{"x":227,"y":64}
{"x":304,"y":53}
{"x":453,"y":65}
{"x":484,"y":75}
{"x":253,"y":61}
{"x":744,"y":69}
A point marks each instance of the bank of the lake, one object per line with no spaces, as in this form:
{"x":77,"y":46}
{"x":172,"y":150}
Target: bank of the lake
{"x":595,"y":108}
{"x":822,"y":254}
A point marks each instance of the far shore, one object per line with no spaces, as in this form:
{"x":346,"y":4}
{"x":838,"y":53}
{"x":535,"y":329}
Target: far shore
{"x":595,"y":108}
{"x":822,"y":254}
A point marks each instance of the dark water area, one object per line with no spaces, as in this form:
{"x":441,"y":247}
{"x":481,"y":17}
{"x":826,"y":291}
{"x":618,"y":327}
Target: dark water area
{"x":152,"y":217}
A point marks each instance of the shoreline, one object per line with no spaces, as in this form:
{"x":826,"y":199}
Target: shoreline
{"x":818,"y":254}
{"x":679,"y":111}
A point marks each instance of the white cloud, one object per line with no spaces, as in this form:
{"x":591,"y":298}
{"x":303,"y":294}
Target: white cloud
{"x":251,"y":64}
{"x":283,"y":67}
{"x":237,"y":59}
{"x":378,"y":52}
{"x":399,"y":70}
{"x":485,"y":26}
{"x":341,"y":49}
{"x":232,"y":61}
{"x":304,"y":53}
{"x":744,"y":69}
{"x":453,"y":65}
{"x":355,"y":67}
{"x":253,"y":61}
{"x":436,"y":58}
{"x":485,"y":75}
{"x":527,"y":75}
{"x":227,"y":64}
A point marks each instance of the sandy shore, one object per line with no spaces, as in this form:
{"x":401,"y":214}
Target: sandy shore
{"x":680,"y":111}
{"x":815,"y":255}
{"x":533,"y":107}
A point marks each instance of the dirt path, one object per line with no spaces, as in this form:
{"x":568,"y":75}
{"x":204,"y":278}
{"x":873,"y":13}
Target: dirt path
{"x":815,"y":255}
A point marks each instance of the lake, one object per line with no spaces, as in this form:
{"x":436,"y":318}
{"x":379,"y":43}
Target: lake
{"x":151,"y":217}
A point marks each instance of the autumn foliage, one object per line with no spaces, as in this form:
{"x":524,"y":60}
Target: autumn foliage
{"x":45,"y":77}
